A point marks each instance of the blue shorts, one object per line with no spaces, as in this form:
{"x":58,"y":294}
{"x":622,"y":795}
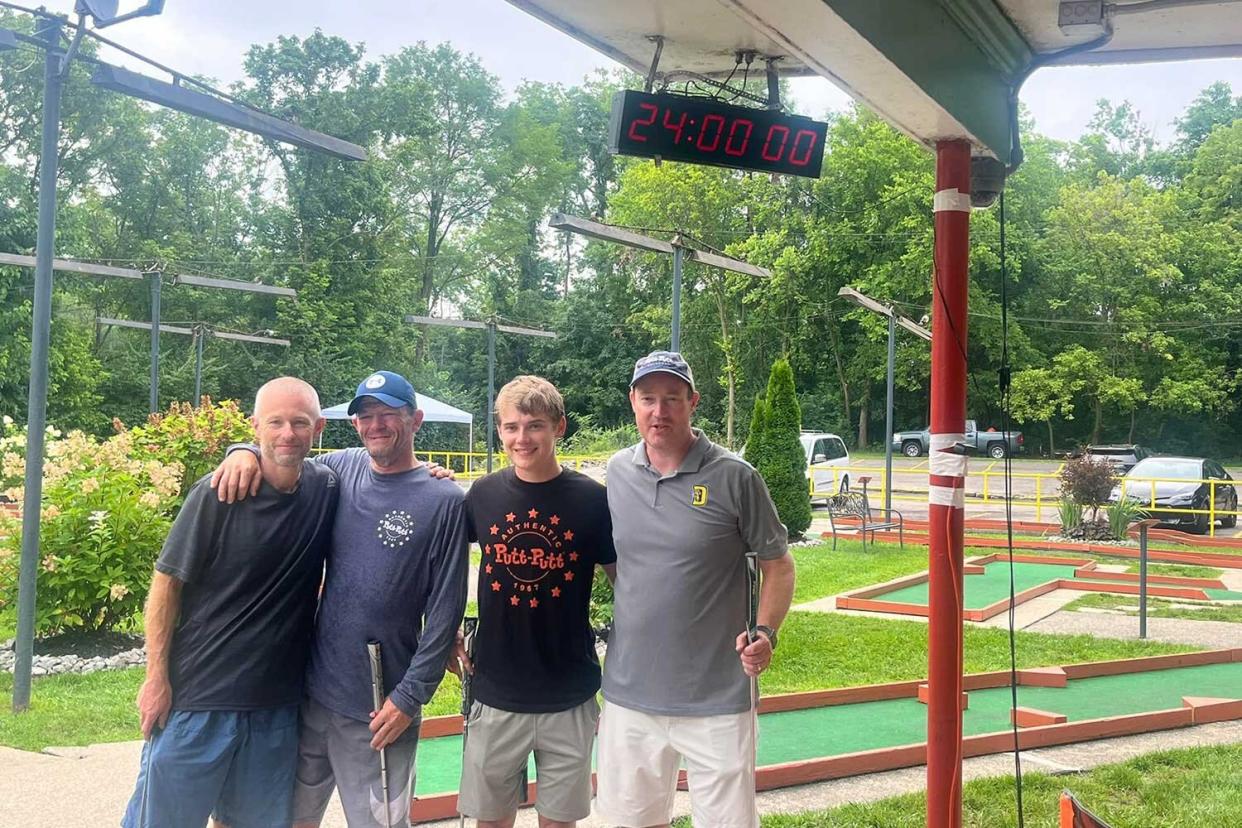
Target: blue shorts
{"x":237,"y":766}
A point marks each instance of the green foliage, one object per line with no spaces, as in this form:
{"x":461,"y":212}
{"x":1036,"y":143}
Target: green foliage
{"x":589,"y":438}
{"x":194,"y":438}
{"x":1070,"y":514}
{"x":779,"y":455}
{"x":601,"y":600}
{"x":1121,"y":514}
{"x":106,"y":515}
{"x":1087,"y":482}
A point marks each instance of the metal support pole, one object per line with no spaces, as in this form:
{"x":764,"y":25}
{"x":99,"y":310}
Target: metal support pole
{"x":491,"y":391}
{"x":1143,"y":579}
{"x":947,"y":480}
{"x":156,"y":283}
{"x":200,"y":333}
{"x":678,"y":253}
{"x":36,"y":411}
{"x":888,"y":418}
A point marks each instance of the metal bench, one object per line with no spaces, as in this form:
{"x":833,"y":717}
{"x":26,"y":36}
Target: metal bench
{"x":856,"y":506}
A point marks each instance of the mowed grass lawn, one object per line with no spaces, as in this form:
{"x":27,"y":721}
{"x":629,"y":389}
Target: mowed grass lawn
{"x":1191,"y":788}
{"x":818,"y":651}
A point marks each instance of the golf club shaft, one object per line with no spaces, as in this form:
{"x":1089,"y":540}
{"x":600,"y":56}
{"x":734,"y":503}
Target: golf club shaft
{"x":377,"y":702}
{"x":469,"y":626}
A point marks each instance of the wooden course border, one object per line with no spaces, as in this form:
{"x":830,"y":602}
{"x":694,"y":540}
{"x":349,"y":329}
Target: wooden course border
{"x":1194,"y":710}
{"x":869,"y":599}
{"x":1155,"y":533}
{"x":1221,"y":560}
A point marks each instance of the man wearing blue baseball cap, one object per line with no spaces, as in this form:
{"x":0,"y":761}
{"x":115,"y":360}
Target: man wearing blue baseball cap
{"x":396,"y":574}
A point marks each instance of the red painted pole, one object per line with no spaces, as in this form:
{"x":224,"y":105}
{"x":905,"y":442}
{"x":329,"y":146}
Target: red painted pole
{"x":947,"y":478}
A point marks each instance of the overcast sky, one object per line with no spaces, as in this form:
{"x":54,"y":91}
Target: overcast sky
{"x":210,"y":37}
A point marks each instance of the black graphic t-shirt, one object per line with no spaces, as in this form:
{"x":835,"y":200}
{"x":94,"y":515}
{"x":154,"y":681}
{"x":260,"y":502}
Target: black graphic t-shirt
{"x":534,"y":651}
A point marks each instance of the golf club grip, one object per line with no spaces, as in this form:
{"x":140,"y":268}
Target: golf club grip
{"x":752,"y":594}
{"x":377,"y":674}
{"x":469,"y":628}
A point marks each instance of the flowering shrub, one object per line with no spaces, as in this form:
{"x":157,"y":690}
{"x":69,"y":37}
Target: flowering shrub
{"x":105,"y":516}
{"x":194,"y":437}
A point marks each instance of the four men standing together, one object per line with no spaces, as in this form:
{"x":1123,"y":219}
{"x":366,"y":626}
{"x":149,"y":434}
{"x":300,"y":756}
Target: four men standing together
{"x":673,"y":530}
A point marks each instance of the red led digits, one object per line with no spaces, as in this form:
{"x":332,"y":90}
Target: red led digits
{"x":743,"y":141}
{"x":653,"y":109}
{"x":677,"y":127}
{"x":772,"y":131}
{"x":707,"y":124}
{"x":810,"y":147}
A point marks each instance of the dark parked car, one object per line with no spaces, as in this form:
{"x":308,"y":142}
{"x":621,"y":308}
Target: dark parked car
{"x":1160,"y":484}
{"x":1121,"y":458}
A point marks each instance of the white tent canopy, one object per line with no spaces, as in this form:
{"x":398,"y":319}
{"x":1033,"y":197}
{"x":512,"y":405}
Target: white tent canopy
{"x":433,"y":410}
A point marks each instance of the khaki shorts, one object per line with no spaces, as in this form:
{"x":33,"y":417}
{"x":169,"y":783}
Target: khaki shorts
{"x":498,"y":744}
{"x":639,"y":756}
{"x":335,"y":751}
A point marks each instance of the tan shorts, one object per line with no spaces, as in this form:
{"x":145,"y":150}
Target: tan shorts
{"x":640,"y":754}
{"x":498,"y":744}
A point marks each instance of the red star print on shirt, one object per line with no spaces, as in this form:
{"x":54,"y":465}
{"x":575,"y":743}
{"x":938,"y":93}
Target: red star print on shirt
{"x":514,"y":600}
{"x":556,"y":592}
{"x":554,"y":520}
{"x":534,"y":602}
{"x":573,"y":557}
{"x":495,"y":529}
{"x":533,"y":513}
{"x":569,"y":534}
{"x":495,"y":586}
{"x":488,"y":570}
{"x":569,"y":575}
{"x":509,"y":517}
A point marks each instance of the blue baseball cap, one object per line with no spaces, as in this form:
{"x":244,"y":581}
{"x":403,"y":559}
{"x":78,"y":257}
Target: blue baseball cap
{"x":393,"y":390}
{"x":663,"y":362}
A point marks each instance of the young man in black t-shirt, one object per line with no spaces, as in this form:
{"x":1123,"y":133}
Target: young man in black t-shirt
{"x":542,"y":530}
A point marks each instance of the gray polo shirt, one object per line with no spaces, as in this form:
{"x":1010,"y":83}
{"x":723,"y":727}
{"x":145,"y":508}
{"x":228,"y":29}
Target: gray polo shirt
{"x":681,"y":578}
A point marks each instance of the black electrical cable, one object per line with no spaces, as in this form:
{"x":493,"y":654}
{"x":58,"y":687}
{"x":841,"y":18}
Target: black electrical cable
{"x":1005,"y":376}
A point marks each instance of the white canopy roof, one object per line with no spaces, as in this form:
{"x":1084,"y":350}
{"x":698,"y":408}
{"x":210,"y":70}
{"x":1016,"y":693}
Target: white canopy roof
{"x":433,"y":410}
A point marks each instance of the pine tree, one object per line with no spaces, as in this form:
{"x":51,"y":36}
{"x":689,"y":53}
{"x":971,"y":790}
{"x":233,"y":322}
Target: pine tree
{"x":778,"y":454}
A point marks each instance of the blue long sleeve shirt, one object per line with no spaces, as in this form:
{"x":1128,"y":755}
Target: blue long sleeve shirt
{"x":396,"y":573}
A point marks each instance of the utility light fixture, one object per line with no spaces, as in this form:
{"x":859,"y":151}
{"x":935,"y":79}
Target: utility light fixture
{"x":104,"y":12}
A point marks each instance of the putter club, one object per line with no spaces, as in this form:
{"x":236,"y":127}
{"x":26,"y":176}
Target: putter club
{"x":469,"y":626}
{"x":377,"y":701}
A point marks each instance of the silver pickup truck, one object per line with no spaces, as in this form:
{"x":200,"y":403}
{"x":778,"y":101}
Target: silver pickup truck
{"x":991,"y":443}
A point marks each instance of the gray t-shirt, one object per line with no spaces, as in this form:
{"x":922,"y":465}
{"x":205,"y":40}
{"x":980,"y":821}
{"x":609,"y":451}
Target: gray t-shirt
{"x":681,"y":588}
{"x":251,"y":573}
{"x":396,"y":574}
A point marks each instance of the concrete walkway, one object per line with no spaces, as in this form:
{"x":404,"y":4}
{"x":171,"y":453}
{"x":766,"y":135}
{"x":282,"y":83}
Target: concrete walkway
{"x":89,"y":787}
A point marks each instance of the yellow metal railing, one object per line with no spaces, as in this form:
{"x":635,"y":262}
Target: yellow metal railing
{"x":468,"y":465}
{"x":1046,"y":494}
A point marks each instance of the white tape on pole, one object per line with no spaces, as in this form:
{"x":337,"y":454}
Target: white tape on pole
{"x":946,"y":496}
{"x":952,"y":200}
{"x":942,"y":460}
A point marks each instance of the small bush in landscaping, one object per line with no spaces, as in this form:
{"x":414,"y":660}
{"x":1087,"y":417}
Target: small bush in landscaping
{"x":105,"y":517}
{"x":1088,"y":483}
{"x":590,"y":438}
{"x":1070,"y":514}
{"x":1120,"y":515}
{"x":777,"y":450}
{"x":194,"y":437}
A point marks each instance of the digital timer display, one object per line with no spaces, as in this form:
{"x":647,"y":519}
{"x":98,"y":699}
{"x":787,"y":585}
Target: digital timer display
{"x":703,"y":131}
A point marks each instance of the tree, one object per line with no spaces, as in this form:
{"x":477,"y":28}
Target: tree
{"x":780,"y":457}
{"x":1039,"y":395}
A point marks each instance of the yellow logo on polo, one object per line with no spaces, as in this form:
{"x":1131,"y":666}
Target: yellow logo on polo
{"x":698,"y":496}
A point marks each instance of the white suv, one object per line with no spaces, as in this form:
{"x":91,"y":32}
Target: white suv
{"x":827,"y":463}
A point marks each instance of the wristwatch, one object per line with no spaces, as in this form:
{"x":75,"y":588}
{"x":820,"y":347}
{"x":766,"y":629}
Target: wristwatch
{"x":769,"y":632}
